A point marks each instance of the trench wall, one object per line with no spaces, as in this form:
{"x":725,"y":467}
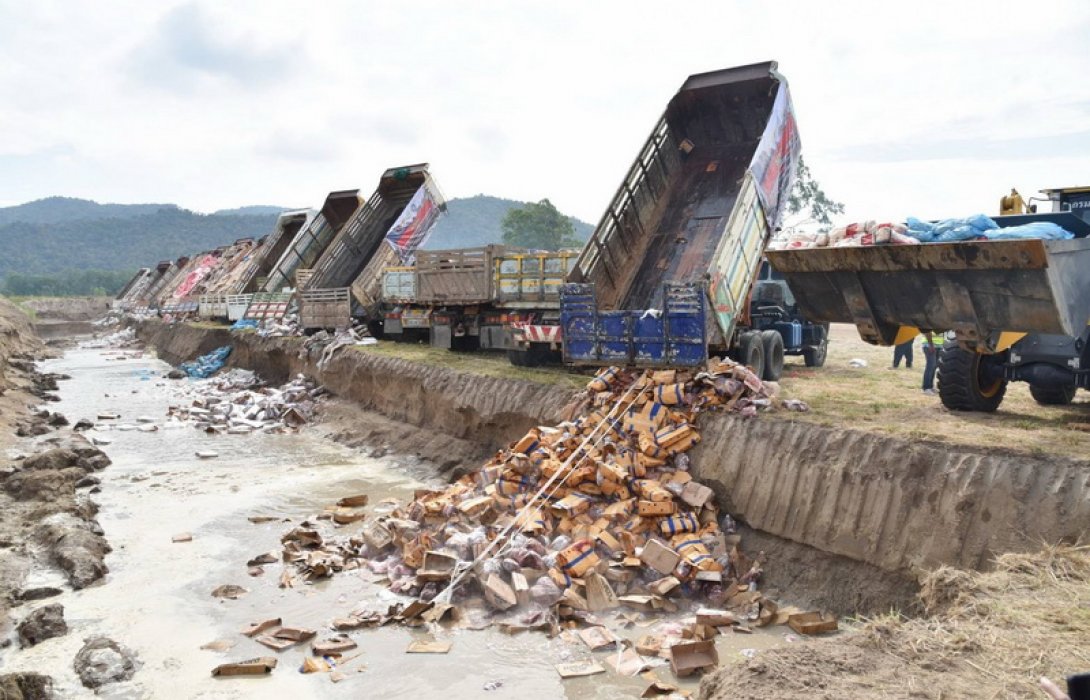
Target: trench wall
{"x":865,"y":498}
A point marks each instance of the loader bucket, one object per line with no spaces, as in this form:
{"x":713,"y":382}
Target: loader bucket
{"x":977,"y":288}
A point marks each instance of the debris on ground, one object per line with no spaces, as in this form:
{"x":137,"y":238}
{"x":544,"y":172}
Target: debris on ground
{"x":102,"y":661}
{"x":237,"y":403}
{"x":250,"y":667}
{"x":596,"y":514}
{"x":44,"y":623}
{"x":125,"y":338}
{"x":206,"y":365}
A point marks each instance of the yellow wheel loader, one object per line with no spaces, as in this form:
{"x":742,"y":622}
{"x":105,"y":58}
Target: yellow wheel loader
{"x":1018,"y":309}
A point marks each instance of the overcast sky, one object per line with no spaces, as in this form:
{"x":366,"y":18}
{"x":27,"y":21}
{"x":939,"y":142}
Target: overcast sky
{"x":910,"y":108}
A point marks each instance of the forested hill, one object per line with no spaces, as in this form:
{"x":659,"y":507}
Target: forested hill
{"x":56,"y":235}
{"x":52,"y":210}
{"x":114,"y":243}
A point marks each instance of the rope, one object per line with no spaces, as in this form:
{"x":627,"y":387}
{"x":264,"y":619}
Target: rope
{"x":461,"y":569}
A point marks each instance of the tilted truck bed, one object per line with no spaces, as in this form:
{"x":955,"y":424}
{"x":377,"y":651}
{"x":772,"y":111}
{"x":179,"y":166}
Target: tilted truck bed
{"x":669,"y":267}
{"x":979,"y":289}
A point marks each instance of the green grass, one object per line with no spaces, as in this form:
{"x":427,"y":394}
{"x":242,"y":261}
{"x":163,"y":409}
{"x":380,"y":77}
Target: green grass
{"x":487,"y":364}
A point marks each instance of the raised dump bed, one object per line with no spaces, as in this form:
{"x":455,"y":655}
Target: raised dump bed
{"x":268,"y":306}
{"x":669,"y":269}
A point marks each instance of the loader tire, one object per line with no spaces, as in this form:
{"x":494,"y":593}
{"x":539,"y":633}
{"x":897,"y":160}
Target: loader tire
{"x":772,"y":345}
{"x":814,"y":356}
{"x":1052,"y":395}
{"x":751,"y":352}
{"x":963,"y":386}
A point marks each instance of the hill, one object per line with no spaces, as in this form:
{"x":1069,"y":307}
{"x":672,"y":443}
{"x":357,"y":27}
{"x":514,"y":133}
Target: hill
{"x":475,"y":221}
{"x":116,"y":243}
{"x":254,"y":209}
{"x":52,"y":210}
{"x":58,"y":236}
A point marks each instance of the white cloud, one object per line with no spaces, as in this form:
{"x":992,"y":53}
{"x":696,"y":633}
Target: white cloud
{"x":922,"y":108}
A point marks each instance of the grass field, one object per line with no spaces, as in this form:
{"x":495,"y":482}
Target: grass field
{"x":876,"y":398}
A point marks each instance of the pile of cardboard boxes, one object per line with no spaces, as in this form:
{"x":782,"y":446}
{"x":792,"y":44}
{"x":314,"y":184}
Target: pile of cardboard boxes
{"x":598,"y":512}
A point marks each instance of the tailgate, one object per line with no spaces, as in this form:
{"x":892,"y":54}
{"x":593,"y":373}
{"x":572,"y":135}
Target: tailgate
{"x":976,"y":288}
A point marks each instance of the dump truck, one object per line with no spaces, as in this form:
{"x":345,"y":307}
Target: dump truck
{"x":1017,"y":309}
{"x":467,"y":298}
{"x":670,"y":273}
{"x":384,"y":230}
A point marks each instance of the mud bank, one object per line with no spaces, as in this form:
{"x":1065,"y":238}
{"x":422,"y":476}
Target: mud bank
{"x":48,"y":532}
{"x":62,"y":317}
{"x":852,"y":516}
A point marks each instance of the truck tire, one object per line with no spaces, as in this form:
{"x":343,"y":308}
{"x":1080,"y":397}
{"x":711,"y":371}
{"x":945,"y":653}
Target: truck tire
{"x":772,"y":345}
{"x":814,"y":356}
{"x":1052,"y":395}
{"x":518,"y":358}
{"x":751,"y":352}
{"x":961,"y":384}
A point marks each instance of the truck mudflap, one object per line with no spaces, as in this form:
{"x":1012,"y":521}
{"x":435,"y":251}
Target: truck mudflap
{"x":673,"y":336}
{"x":984,"y":291}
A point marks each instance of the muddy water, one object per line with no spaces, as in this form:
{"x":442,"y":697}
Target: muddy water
{"x":156,"y":599}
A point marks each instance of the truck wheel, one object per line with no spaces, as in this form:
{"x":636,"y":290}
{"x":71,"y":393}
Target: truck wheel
{"x":751,"y":352}
{"x":964,"y":382}
{"x":1052,"y":395}
{"x":772,"y":345}
{"x":518,"y":358}
{"x":814,"y":356}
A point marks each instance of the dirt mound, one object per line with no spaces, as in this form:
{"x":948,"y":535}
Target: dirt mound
{"x":992,"y":635}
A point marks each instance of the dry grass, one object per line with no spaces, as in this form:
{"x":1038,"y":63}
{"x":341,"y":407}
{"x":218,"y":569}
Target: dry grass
{"x":876,"y":398}
{"x":1028,"y":618}
{"x":987,"y":635}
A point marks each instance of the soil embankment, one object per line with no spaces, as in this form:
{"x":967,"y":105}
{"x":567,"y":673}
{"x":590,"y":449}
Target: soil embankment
{"x":45,"y":523}
{"x":848,"y":518}
{"x":63,"y":317}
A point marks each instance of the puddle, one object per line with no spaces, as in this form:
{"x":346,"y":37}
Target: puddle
{"x":156,"y":599}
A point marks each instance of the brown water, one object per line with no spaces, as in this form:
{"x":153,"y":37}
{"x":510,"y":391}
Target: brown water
{"x":156,"y":599}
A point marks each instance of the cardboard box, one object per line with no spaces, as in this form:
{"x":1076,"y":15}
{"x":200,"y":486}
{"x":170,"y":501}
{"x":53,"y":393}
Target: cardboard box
{"x":714,"y":617}
{"x":664,"y":585}
{"x":696,"y":495}
{"x":498,"y":594}
{"x":812,"y":622}
{"x":577,"y":559}
{"x":656,"y":508}
{"x":438,"y":566}
{"x":689,"y":657}
{"x":571,"y":505}
{"x":600,"y":595}
{"x":682,"y":522}
{"x":659,"y":557}
{"x":250,"y":667}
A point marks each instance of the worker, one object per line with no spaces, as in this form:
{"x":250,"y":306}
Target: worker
{"x":903,"y":352}
{"x":932,"y":345}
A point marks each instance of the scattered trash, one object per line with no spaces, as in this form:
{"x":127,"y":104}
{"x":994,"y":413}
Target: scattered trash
{"x":577,"y":669}
{"x":428,"y":647}
{"x":857,"y":362}
{"x":251,"y":667}
{"x":689,"y":657}
{"x":313,"y":664}
{"x":182,"y":537}
{"x":492,"y":685}
{"x":219,"y":645}
{"x":207,"y":454}
{"x":256,"y":628}
{"x":229,"y":591}
{"x":812,"y":622}
{"x":207,"y":365}
{"x":235,"y":402}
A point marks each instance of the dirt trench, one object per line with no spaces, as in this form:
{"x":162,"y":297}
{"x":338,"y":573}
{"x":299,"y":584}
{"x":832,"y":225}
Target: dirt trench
{"x":848,"y":519}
